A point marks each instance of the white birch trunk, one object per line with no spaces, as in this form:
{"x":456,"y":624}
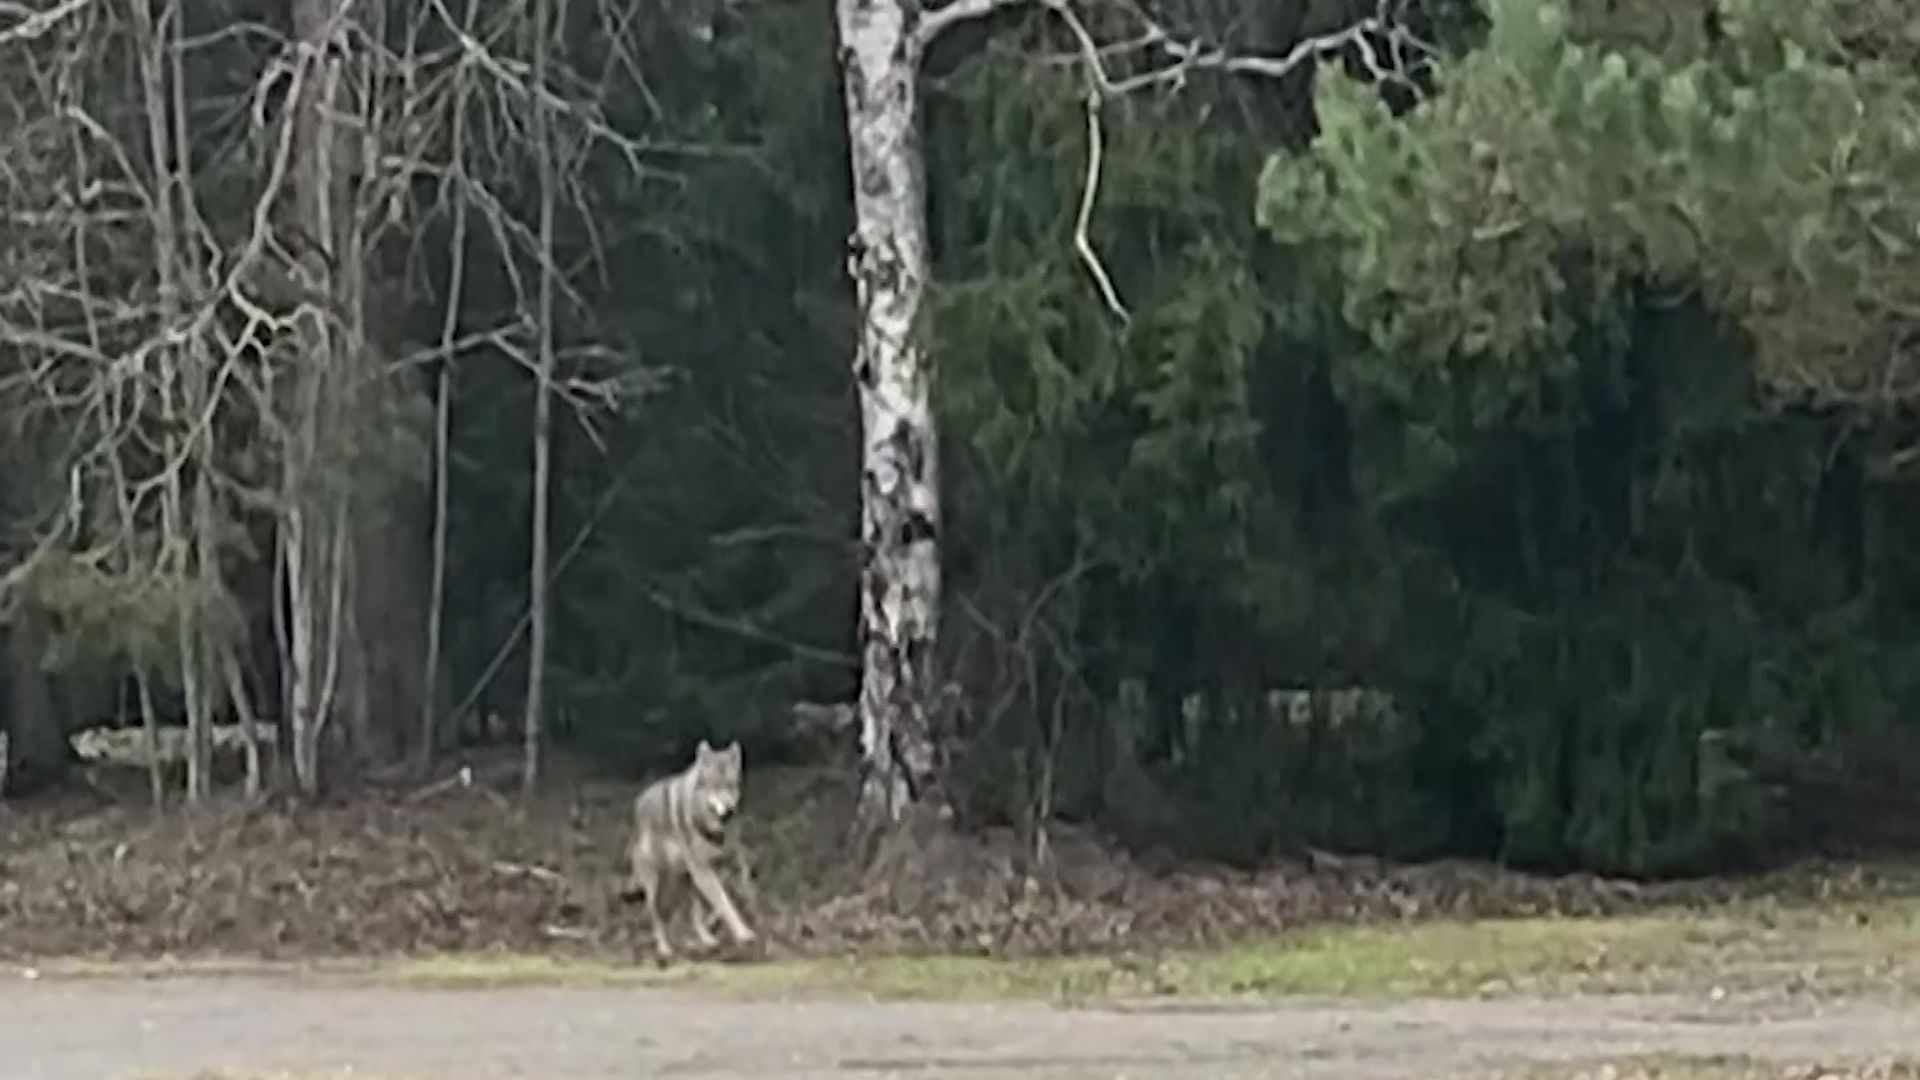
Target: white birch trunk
{"x":899,"y":475}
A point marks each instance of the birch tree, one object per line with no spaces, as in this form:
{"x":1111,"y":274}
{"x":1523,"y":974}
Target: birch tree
{"x":882,"y":44}
{"x":899,"y":470}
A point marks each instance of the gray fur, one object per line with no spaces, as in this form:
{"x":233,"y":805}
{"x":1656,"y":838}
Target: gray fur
{"x":679,"y":827}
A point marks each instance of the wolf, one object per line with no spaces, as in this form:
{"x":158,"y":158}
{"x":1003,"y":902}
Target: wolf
{"x":679,"y":827}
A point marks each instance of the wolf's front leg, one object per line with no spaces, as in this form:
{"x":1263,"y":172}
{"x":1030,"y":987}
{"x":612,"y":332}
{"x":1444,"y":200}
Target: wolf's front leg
{"x":701,"y":918}
{"x":715,"y":894}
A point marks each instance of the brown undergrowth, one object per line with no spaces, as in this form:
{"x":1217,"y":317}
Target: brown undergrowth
{"x":408,"y":869}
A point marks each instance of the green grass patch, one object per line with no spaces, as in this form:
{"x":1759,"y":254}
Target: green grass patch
{"x":1852,"y":950}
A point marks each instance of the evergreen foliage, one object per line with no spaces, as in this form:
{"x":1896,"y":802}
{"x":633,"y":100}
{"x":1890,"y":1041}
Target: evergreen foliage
{"x":1640,"y":282}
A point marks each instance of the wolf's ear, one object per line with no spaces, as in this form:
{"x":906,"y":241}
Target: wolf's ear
{"x":703,"y":750}
{"x":733,"y":750}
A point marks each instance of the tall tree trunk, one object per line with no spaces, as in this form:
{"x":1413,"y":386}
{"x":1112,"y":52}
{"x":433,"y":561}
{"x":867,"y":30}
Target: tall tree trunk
{"x":382,"y":687}
{"x":312,"y":532}
{"x":150,"y":734}
{"x":434,"y":678}
{"x":215,"y":649}
{"x":533,"y":729}
{"x":353,"y":534}
{"x":181,"y":539}
{"x":442,"y":436}
{"x":437,"y":576}
{"x":899,"y":475}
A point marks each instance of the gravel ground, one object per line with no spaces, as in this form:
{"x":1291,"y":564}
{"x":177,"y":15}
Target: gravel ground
{"x":101,"y":1029}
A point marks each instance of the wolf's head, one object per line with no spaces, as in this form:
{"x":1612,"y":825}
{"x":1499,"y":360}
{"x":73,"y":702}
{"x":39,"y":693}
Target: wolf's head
{"x":716,"y":785}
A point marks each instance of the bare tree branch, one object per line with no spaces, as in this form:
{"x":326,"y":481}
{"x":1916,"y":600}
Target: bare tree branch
{"x":1186,"y":57}
{"x":35,"y":24}
{"x":941,"y":19}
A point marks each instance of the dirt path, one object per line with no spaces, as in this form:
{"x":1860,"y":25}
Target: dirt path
{"x":99,"y":1030}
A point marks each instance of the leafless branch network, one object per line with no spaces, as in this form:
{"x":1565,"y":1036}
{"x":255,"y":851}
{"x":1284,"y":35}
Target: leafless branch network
{"x":185,"y":300}
{"x":1155,"y":57}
